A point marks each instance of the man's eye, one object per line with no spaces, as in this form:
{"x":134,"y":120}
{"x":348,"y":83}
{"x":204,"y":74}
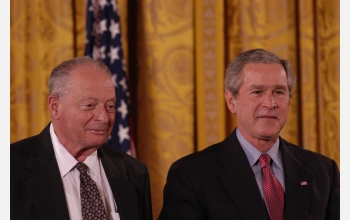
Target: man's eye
{"x":88,"y":106}
{"x":256,"y":92}
{"x":279,"y":92}
{"x":111,"y":108}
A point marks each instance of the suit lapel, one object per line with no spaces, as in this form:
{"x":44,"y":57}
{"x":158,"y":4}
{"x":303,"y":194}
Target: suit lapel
{"x":123,"y":190}
{"x":45,"y":185}
{"x":297,"y":183}
{"x":239,"y":180}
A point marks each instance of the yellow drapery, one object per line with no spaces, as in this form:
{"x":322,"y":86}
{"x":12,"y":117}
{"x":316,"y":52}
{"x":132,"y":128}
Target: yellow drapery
{"x":165,"y":98}
{"x":176,"y":53}
{"x":42,"y":34}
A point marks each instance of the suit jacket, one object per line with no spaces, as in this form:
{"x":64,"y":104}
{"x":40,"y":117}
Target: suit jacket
{"x":37,"y":190}
{"x":218,"y":183}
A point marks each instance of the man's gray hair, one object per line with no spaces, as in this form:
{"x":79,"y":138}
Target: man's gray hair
{"x":234,"y":78}
{"x":59,"y":78}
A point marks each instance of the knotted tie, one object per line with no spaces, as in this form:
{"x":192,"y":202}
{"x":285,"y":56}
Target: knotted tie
{"x":91,"y":203}
{"x":274,"y":193}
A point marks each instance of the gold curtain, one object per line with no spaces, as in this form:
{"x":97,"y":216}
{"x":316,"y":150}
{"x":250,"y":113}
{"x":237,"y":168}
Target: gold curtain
{"x":42,"y":34}
{"x":177,"y":52}
{"x":165,"y":97}
{"x":210,"y":73}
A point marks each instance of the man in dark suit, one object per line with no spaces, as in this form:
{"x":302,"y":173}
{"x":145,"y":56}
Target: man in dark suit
{"x":254,"y":173}
{"x":48,"y":171}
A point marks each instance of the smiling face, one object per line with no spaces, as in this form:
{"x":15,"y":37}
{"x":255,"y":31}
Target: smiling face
{"x":262,"y":103}
{"x":83,"y":118}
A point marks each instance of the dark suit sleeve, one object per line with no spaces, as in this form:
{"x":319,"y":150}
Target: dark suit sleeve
{"x":15,"y":174}
{"x":130,"y":183}
{"x":180,"y":199}
{"x":333,"y":210}
{"x":21,"y":205}
{"x":147,"y":202}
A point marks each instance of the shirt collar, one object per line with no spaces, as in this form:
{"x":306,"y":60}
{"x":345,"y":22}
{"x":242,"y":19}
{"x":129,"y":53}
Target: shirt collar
{"x":66,"y":161}
{"x":253,"y":154}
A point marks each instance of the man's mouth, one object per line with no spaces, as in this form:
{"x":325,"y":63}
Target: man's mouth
{"x":268,"y":117}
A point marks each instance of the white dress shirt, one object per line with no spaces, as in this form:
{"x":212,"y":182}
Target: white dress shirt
{"x":71,"y":180}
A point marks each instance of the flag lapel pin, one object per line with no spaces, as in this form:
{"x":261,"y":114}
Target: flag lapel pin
{"x":303,"y":183}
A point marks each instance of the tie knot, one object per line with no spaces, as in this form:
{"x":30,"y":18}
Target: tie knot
{"x":264,"y":160}
{"x":81,"y":167}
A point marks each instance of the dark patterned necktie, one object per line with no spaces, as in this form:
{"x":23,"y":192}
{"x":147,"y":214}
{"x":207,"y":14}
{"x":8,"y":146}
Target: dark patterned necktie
{"x":274,"y":193}
{"x":91,"y":203}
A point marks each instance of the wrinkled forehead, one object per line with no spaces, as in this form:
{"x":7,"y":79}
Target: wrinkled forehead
{"x":85,"y":77}
{"x":91,"y":68}
{"x":264,"y":72}
{"x":89,"y":72}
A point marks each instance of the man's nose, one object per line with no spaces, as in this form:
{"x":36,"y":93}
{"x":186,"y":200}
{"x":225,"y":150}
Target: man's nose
{"x":269,"y":101}
{"x":101,"y":115}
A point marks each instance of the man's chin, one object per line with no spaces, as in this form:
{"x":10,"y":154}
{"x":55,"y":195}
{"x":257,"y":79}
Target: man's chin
{"x":268,"y":136}
{"x":94,"y":143}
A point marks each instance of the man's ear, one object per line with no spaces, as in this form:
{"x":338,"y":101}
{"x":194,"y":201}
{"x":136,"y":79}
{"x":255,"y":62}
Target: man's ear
{"x":54,"y":102}
{"x":230,"y":101}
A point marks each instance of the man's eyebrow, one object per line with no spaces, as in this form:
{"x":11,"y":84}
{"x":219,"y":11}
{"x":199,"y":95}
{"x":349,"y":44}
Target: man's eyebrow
{"x":114,"y":99}
{"x":88,"y":98}
{"x":257,"y":87}
{"x":96,"y":99}
{"x":282,"y":87}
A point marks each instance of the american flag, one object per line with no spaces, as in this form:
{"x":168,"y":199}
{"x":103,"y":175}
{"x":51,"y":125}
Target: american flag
{"x":103,"y":42}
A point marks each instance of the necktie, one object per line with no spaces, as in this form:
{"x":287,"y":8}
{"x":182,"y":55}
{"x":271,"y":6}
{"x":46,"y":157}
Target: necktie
{"x":91,"y":202}
{"x":274,"y":193}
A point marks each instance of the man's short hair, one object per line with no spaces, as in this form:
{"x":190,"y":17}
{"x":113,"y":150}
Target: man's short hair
{"x":234,"y":78}
{"x":59,"y":78}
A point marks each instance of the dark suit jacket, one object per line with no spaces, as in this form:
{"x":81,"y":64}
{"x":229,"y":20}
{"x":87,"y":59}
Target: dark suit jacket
{"x":218,"y":183}
{"x":37,"y":190}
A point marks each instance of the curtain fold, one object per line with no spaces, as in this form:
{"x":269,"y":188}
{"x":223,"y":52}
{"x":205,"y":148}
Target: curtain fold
{"x":320,"y":76}
{"x":165,"y":97}
{"x":41,"y":34}
{"x":176,"y":54}
{"x":209,"y":73}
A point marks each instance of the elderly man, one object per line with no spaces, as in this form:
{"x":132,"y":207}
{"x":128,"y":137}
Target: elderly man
{"x":67,"y":171}
{"x":254,"y":173}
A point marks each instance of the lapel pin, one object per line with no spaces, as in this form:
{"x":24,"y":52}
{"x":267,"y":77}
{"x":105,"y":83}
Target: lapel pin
{"x":303,"y":183}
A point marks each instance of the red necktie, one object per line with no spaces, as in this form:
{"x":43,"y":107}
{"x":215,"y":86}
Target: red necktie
{"x":91,"y":202}
{"x":274,"y":193}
